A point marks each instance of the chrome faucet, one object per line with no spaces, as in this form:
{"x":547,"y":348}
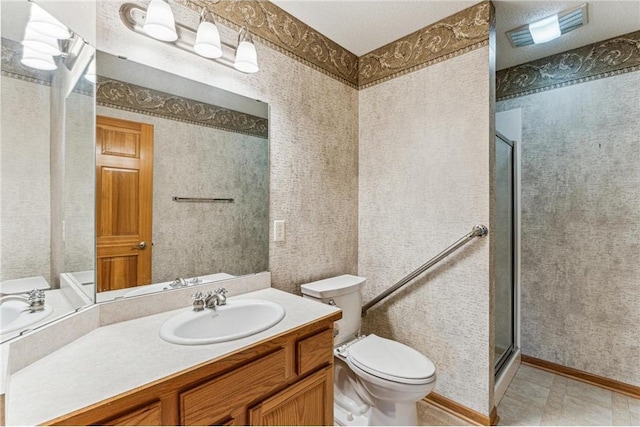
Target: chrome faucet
{"x":209,"y":300}
{"x":216,"y":298}
{"x":35,"y":299}
{"x":178,"y":283}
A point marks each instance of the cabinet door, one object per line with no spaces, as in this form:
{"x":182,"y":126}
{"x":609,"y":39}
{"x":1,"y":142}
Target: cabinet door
{"x":149,"y":415}
{"x":306,"y":403}
{"x":215,"y":401}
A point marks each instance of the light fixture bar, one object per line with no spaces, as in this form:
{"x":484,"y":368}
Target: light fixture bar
{"x":132,"y":16}
{"x":568,"y":20}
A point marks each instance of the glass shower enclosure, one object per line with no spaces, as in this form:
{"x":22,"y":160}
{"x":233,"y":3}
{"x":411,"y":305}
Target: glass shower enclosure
{"x":504,"y":236}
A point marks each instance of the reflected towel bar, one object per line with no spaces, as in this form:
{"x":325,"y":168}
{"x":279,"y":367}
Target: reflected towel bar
{"x":477,"y":231}
{"x":199,"y":200}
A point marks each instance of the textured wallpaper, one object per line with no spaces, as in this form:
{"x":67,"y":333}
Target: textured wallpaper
{"x":581,"y":226}
{"x":313,"y":131}
{"x":79,"y":183}
{"x":424,"y":182}
{"x":194,"y":239}
{"x":24,"y":181}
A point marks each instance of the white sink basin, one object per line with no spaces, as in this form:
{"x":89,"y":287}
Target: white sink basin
{"x":237,"y":319}
{"x":15,"y":315}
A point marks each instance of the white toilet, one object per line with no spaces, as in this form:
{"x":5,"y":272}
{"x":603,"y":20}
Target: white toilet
{"x":377,"y":381}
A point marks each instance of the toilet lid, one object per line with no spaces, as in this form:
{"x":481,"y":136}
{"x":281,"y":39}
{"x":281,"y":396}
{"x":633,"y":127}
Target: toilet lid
{"x":391,"y":360}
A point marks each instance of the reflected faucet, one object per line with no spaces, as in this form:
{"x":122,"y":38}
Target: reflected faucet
{"x":35,"y":299}
{"x":178,"y":283}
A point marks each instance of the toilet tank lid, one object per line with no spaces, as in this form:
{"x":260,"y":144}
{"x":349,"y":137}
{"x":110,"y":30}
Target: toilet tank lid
{"x":333,"y":286}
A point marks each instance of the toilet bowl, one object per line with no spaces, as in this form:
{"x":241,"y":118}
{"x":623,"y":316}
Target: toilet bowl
{"x":377,"y":381}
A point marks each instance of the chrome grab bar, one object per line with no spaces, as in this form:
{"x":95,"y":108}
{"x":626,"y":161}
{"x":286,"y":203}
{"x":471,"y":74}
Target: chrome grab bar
{"x":477,"y":231}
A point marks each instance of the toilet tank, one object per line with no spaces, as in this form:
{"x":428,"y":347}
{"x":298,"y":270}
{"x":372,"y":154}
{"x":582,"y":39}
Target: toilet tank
{"x":346,"y":293}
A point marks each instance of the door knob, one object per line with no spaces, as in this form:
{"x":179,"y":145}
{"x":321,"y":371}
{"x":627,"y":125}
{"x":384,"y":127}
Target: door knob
{"x":142,"y":245}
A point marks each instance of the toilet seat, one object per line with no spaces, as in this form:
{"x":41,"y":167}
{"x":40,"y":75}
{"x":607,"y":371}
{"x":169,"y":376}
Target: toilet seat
{"x":390,"y":360}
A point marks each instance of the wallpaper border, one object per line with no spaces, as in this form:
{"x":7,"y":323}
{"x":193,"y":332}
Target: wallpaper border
{"x":129,"y":97}
{"x":454,"y":35}
{"x":607,"y":58}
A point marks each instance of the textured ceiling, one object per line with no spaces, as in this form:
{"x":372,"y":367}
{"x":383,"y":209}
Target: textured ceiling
{"x":361,"y":26}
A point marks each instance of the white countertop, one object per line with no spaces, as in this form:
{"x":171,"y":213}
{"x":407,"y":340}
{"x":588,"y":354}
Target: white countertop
{"x":114,"y":359}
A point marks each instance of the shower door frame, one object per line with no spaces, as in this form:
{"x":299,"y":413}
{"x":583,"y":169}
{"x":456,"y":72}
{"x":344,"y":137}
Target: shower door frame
{"x":502,"y":363}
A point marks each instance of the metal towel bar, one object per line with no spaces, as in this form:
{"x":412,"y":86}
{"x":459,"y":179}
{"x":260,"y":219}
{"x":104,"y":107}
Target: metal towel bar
{"x":477,"y":231}
{"x":200,"y":200}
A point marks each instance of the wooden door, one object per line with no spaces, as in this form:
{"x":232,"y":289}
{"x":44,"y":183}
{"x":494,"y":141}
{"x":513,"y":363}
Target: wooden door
{"x":309,"y":402}
{"x":124,"y":184}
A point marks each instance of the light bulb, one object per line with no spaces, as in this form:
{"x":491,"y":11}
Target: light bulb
{"x":246,"y":55}
{"x":42,"y":22}
{"x":160,"y":23}
{"x":208,"y":40}
{"x":37,"y":60}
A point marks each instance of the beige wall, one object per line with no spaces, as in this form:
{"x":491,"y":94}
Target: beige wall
{"x":79,"y":183}
{"x":25,"y":210}
{"x":581,"y":226}
{"x":424,"y":182}
{"x":194,"y":239}
{"x":313,"y":145}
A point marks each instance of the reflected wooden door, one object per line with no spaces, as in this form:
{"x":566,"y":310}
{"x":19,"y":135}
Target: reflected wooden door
{"x":124,"y":182}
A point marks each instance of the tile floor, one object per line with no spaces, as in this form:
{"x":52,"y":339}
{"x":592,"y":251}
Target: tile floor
{"x":536,"y":397}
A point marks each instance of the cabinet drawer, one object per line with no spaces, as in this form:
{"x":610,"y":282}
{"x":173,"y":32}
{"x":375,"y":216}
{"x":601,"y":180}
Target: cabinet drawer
{"x":213,"y":401}
{"x":314,"y":351}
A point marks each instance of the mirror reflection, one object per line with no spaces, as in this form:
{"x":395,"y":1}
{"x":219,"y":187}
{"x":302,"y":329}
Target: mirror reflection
{"x":47,"y":170}
{"x":182,"y":181}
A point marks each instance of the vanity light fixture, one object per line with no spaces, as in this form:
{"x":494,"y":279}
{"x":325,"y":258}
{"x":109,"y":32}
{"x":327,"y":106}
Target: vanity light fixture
{"x":41,"y":39}
{"x":40,"y":43}
{"x":208,"y":37}
{"x":159,"y":22}
{"x":37,"y":60}
{"x":205,"y":41}
{"x":549,"y":28}
{"x":45,"y":24}
{"x":246,"y":55}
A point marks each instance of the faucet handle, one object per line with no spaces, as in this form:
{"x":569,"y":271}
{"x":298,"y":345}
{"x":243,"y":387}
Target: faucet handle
{"x":36,"y":295}
{"x":222,"y":291}
{"x":198,"y":301}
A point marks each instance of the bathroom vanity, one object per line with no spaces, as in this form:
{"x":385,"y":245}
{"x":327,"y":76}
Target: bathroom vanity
{"x":123,"y":373}
{"x":287,"y":380}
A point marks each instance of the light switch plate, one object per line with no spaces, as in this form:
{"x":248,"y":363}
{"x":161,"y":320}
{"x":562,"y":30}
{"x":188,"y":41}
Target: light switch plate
{"x":278,"y":230}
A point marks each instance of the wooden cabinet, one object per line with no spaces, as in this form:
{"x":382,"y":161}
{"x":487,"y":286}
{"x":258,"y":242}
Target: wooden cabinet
{"x":287,"y":380}
{"x":309,"y":402}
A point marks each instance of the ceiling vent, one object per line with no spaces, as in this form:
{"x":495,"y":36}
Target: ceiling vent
{"x":568,"y":21}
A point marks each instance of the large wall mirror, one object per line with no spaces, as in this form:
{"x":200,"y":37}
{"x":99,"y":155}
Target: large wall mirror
{"x":117,"y":179}
{"x":182,"y":181}
{"x":46,"y":172}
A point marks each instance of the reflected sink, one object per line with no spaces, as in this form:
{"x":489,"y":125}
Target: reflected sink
{"x":15,"y":314}
{"x":237,"y":319}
